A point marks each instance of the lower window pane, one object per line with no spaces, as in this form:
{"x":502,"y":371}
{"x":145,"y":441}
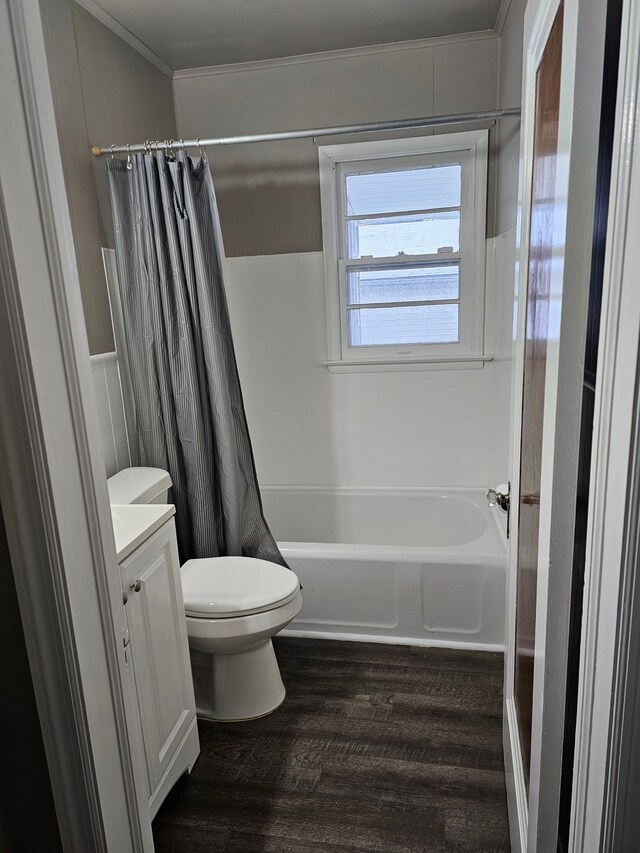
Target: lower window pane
{"x":418,"y":283}
{"x":413,"y":324}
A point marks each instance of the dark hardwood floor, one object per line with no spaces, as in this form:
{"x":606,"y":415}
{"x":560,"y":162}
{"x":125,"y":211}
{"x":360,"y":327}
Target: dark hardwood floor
{"x":376,"y":748}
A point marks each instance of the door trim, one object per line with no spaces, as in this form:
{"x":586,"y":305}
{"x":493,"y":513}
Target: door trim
{"x":610,"y":565}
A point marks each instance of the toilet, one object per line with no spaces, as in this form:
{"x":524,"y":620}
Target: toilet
{"x":233,"y":607}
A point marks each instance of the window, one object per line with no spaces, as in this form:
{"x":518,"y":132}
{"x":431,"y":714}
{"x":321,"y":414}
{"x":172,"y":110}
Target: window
{"x":404,"y":245}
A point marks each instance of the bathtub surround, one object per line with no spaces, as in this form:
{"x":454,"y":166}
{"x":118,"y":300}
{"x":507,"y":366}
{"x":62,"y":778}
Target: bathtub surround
{"x":426,"y":428}
{"x":188,"y":408}
{"x":499,"y":332}
{"x":377,"y":749}
{"x":352,"y":430}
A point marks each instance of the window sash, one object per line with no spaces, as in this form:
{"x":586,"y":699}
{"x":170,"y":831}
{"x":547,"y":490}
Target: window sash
{"x":469,"y":149}
{"x":374,"y":261}
{"x":350,"y":217}
{"x":402,"y":304}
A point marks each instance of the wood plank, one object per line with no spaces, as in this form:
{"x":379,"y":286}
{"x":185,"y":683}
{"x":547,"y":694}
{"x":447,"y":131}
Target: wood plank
{"x":376,"y":748}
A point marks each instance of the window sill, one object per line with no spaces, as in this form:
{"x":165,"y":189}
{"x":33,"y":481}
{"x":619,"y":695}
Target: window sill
{"x":386,"y":365}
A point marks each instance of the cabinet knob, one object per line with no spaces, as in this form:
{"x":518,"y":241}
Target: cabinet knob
{"x":135,"y":586}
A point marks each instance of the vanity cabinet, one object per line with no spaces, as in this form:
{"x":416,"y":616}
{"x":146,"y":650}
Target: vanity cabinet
{"x":158,"y":651}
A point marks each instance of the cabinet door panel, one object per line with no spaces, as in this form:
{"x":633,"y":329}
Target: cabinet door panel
{"x":159,"y":649}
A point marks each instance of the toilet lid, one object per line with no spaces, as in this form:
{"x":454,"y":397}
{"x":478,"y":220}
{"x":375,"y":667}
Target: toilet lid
{"x":235,"y":586}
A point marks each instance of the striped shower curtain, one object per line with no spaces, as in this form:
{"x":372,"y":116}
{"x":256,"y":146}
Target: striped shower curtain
{"x":189,"y":413}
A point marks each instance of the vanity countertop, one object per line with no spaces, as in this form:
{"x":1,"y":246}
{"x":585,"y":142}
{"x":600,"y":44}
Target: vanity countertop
{"x":134,"y":523}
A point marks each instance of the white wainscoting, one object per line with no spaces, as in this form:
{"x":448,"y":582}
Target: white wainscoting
{"x":114,"y":443}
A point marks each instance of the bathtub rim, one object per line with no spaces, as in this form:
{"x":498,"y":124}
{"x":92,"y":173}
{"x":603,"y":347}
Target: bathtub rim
{"x":463,"y":555}
{"x":483,"y":546}
{"x":389,"y":640}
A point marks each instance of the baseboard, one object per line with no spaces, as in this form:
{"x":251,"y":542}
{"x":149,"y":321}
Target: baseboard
{"x":514,"y":777}
{"x":392,"y":641}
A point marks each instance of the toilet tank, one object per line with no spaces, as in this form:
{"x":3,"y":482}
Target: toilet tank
{"x":139,"y":486}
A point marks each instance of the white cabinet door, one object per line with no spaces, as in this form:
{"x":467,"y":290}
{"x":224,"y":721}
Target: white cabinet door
{"x":159,"y":650}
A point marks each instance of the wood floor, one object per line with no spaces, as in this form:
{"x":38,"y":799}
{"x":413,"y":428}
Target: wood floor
{"x":376,"y":748}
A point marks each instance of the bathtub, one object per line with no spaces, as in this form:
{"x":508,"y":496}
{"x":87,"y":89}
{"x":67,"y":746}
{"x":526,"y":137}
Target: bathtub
{"x":397,"y":566}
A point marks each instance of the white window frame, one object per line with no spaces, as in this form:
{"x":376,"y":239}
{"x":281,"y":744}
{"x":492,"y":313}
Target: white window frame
{"x":471,"y":149}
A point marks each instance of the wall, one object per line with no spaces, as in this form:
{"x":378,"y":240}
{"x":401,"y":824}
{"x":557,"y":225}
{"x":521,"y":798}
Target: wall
{"x":104,"y":91}
{"x":269,"y":193}
{"x":311,"y":427}
{"x":509,"y":95}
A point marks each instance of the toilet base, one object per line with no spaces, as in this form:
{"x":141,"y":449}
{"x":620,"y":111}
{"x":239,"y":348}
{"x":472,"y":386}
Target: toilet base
{"x":239,"y":686}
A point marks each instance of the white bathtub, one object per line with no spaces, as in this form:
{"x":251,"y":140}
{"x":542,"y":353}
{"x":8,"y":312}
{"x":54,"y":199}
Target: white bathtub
{"x":400,"y":566}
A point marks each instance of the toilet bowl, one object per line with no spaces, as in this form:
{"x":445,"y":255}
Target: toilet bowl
{"x":233,"y":607}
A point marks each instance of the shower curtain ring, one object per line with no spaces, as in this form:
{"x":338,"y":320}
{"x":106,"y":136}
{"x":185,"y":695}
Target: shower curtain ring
{"x":203,"y":152}
{"x":129,"y":163}
{"x":112,"y":146}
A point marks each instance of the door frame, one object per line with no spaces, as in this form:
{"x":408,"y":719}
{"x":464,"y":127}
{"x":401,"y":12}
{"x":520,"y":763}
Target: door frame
{"x":581,"y":77}
{"x":610,"y":570}
{"x":53,"y":488}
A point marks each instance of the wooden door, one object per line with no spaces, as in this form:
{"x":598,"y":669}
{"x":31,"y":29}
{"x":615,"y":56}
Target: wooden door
{"x":159,"y":648}
{"x":537,"y":330}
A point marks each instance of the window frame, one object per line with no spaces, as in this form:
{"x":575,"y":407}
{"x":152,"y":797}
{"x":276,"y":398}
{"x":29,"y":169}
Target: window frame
{"x":335,"y":161}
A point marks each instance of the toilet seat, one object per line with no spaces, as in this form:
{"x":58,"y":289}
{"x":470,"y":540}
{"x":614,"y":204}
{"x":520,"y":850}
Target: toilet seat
{"x":229,"y":587}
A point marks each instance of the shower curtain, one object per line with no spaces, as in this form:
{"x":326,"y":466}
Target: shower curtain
{"x":189,"y":413}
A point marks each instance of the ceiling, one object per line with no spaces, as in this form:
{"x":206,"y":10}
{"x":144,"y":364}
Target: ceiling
{"x":192,"y":33}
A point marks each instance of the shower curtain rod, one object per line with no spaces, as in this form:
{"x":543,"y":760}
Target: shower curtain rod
{"x":398,"y":124}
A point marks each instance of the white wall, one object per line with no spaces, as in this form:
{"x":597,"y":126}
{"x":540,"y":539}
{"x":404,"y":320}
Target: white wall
{"x":509,"y":95}
{"x":501,"y":259}
{"x":311,"y":427}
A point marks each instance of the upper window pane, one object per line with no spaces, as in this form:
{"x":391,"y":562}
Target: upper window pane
{"x":403,"y":189}
{"x":410,"y":234}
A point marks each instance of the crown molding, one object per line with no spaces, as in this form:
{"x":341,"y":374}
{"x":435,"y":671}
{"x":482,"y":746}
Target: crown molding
{"x":126,"y":35}
{"x":329,"y":55}
{"x":503,"y":11}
